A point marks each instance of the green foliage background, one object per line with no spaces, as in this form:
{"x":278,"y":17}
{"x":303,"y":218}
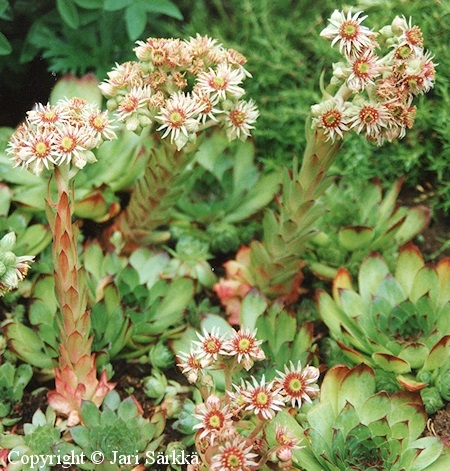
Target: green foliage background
{"x":286,"y":57}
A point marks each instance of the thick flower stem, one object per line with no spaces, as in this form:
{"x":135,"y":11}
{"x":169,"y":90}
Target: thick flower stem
{"x":154,"y":195}
{"x":76,"y":376}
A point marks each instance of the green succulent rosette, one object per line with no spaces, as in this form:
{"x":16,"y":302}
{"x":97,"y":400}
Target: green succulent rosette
{"x":353,"y":427}
{"x":361,"y":218}
{"x":397,"y":323}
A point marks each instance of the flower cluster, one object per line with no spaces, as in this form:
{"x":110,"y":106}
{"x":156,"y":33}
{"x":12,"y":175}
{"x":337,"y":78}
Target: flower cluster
{"x":375,"y":92}
{"x":231,"y":432}
{"x":181,"y":87}
{"x":64,"y":133}
{"x":12,"y":268}
{"x":242,"y":350}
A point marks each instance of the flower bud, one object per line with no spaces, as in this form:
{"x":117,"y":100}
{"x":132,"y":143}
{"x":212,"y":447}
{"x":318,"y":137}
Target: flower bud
{"x":398,"y":25}
{"x":284,"y":453}
{"x":8,"y":241}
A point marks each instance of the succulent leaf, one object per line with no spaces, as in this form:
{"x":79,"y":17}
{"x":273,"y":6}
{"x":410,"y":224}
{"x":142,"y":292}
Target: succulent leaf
{"x":354,"y":427}
{"x":397,"y":323}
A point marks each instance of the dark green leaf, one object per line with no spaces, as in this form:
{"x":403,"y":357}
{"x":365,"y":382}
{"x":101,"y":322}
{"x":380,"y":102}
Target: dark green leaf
{"x":166,"y":7}
{"x":68,"y":12}
{"x":90,"y":4}
{"x":135,"y":20}
{"x":5,"y":46}
{"x":113,"y":5}
{"x":4,"y":4}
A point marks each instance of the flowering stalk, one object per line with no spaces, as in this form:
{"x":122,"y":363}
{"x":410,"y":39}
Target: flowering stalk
{"x":155,"y":193}
{"x":76,"y":377}
{"x":372,"y":96}
{"x":175,"y":91}
{"x":60,"y":138}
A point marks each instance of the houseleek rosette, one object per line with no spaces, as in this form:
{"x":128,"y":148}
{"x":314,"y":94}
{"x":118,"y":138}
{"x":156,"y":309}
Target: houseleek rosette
{"x":397,"y":323}
{"x":355,"y":428}
{"x":361,"y":218}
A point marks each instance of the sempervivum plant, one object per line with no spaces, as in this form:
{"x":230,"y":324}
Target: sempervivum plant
{"x":119,"y":429}
{"x":360,"y":219}
{"x":38,"y":448}
{"x":355,"y":428}
{"x":397,"y":323}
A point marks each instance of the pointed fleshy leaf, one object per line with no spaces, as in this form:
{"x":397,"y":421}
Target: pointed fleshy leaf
{"x":417,"y":219}
{"x":430,"y":450}
{"x":386,"y":207}
{"x":253,"y":305}
{"x":355,"y":237}
{"x":347,"y":419}
{"x":342,"y":281}
{"x":409,"y":383}
{"x":443,"y":269}
{"x":426,"y":282}
{"x":415,"y":354}
{"x":375,"y":408}
{"x":357,"y":386}
{"x":441,"y":464}
{"x":332,"y":383}
{"x":391,"y":290}
{"x":409,"y":262}
{"x":372,"y":272}
{"x":439,"y":354}
{"x":391,"y":363}
{"x":321,"y":419}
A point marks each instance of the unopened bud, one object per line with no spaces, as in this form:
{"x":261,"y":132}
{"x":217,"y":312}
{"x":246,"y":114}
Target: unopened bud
{"x":398,"y":25}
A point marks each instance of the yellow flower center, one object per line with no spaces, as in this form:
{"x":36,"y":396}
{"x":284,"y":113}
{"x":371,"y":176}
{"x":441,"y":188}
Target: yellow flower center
{"x":129,"y":104}
{"x":361,"y":68}
{"x":349,"y":30}
{"x":403,"y":52}
{"x":176,"y":119}
{"x":98,"y":123}
{"x":215,"y":421}
{"x":295,"y":385}
{"x":233,"y":461}
{"x":218,"y":83}
{"x":331,"y":119}
{"x":262,"y":398}
{"x":49,"y":116}
{"x":368,"y":115}
{"x":237,"y":117}
{"x":244,"y":345}
{"x":41,"y":149}
{"x":67,"y":143}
